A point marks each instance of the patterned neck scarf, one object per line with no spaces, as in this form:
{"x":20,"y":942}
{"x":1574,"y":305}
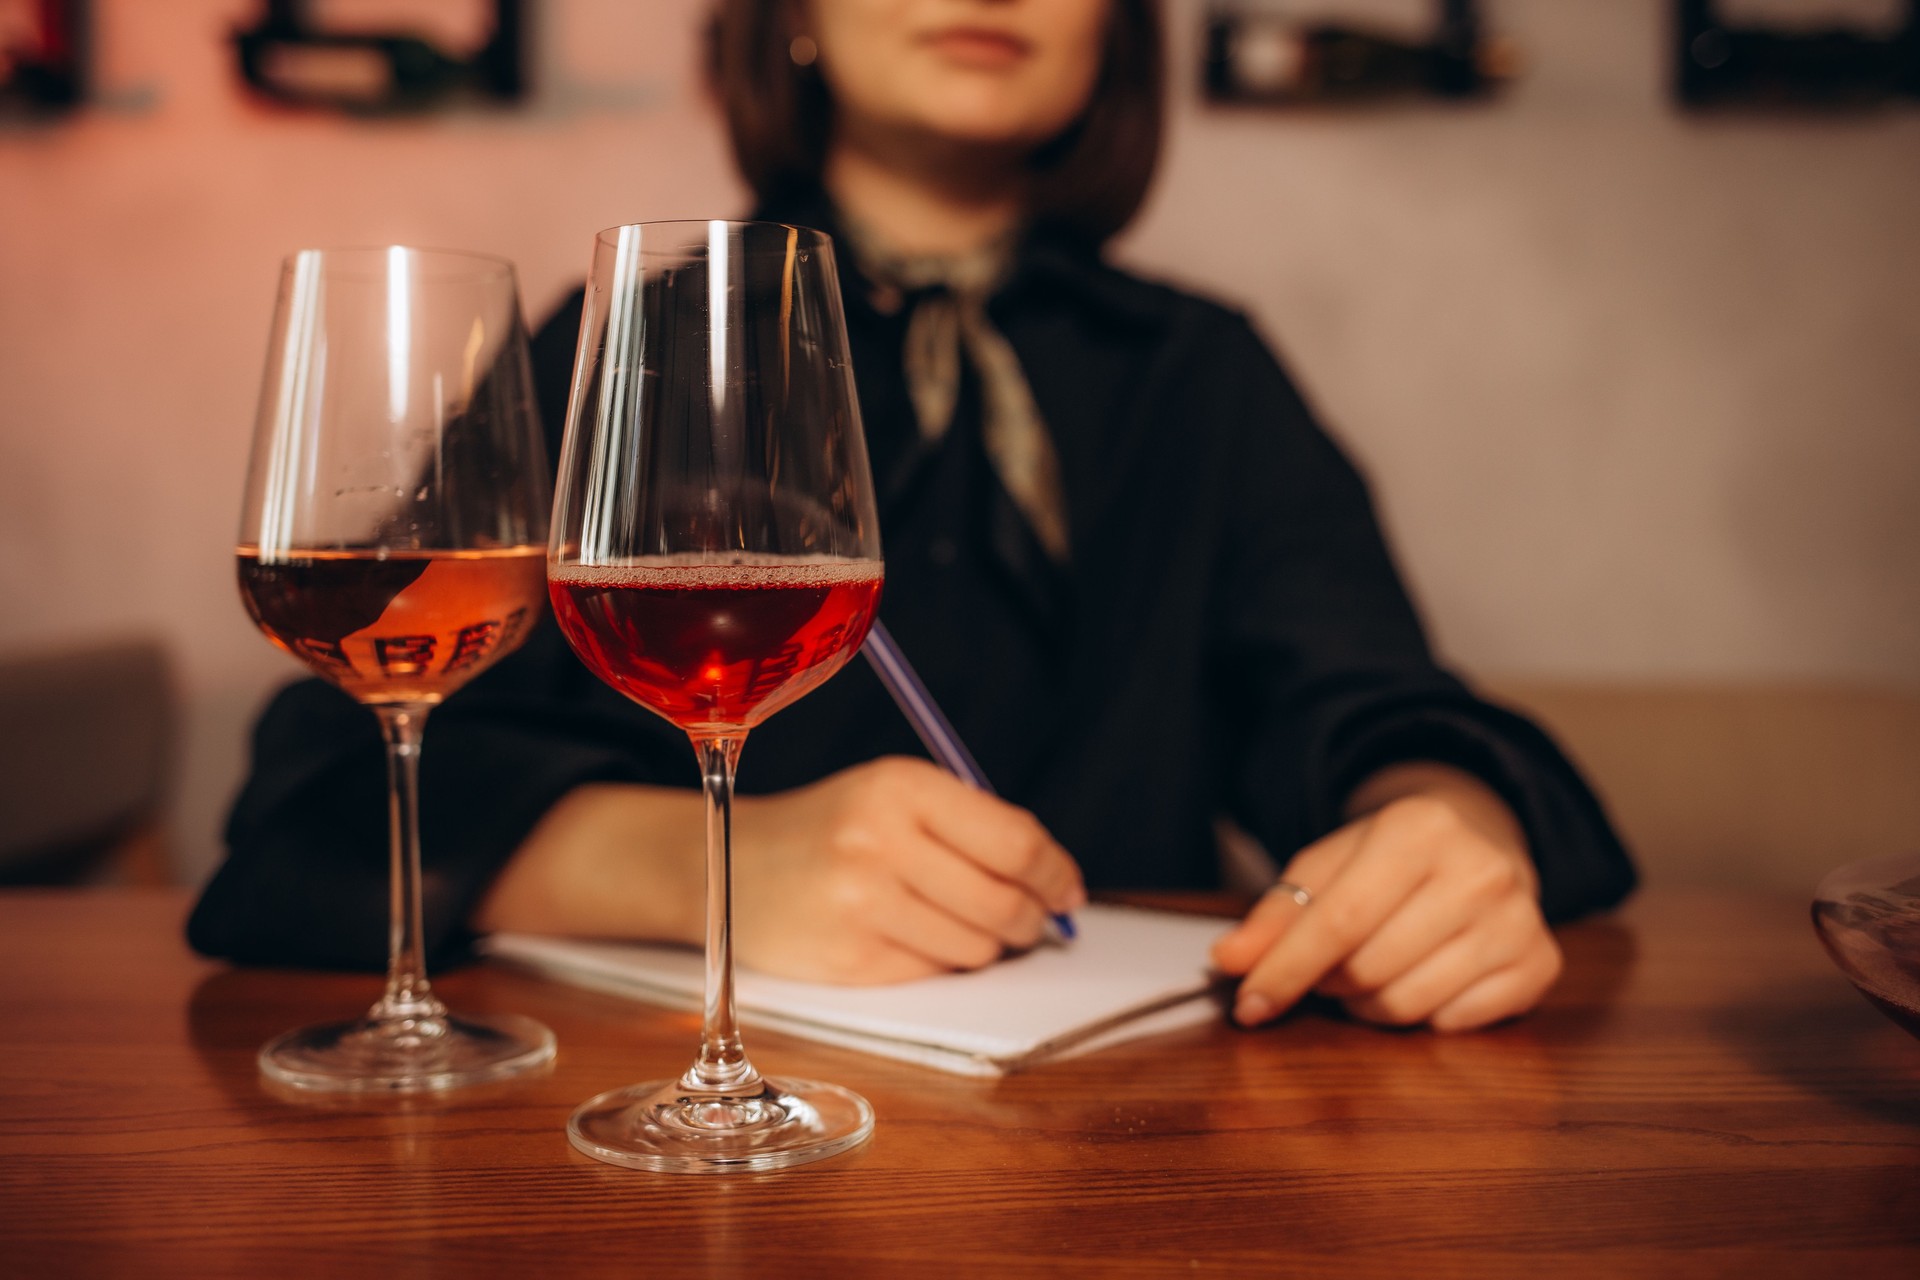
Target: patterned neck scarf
{"x":948,"y":297}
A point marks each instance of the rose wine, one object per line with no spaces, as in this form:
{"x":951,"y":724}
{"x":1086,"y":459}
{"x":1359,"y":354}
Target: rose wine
{"x":716,"y":647}
{"x":403,"y":626}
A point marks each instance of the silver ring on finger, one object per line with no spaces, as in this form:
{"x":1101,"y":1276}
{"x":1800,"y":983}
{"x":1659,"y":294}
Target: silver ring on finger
{"x":1301,"y":895}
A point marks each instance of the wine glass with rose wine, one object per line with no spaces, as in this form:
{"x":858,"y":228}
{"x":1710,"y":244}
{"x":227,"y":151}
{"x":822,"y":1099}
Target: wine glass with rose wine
{"x":393,"y":539}
{"x":715,"y":556}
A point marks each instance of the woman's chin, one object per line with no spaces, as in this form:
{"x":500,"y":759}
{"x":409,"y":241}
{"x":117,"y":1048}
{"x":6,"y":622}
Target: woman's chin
{"x":995,"y":133}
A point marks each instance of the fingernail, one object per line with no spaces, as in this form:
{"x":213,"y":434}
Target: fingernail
{"x":1235,"y":944}
{"x":1252,"y":1009}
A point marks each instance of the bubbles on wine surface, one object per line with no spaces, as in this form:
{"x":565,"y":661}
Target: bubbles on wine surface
{"x":693,"y":572}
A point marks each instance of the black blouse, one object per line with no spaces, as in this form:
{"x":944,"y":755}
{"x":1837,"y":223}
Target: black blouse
{"x":1230,"y":637}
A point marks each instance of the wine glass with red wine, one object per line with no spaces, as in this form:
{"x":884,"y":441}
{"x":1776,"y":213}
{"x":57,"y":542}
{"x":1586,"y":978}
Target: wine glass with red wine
{"x":394,"y":539}
{"x":715,"y":556}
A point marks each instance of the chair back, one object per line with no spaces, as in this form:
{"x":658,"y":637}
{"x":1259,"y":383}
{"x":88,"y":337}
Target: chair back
{"x":86,"y":739}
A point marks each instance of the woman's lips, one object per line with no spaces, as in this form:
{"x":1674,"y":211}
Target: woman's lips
{"x":978,"y":47}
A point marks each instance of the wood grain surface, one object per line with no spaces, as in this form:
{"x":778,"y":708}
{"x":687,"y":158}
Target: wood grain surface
{"x":1702,"y":1096}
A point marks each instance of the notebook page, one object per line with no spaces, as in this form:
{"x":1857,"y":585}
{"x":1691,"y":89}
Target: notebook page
{"x":1125,"y":960}
{"x":1190,"y":1011}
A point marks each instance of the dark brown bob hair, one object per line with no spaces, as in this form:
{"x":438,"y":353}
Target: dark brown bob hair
{"x":1090,"y":180}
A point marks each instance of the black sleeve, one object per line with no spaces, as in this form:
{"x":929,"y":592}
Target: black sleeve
{"x":1317,"y":631}
{"x":305,"y":880}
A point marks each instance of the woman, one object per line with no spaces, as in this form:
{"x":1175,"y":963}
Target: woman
{"x":1147,"y":588}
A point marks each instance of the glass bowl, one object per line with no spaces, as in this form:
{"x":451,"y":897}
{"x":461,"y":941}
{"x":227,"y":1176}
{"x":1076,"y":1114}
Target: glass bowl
{"x":1868,"y":916}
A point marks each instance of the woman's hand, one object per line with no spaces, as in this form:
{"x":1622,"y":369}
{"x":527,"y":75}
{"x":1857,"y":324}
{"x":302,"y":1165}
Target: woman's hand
{"x":880,"y":873}
{"x":889,"y":871}
{"x":1425,"y":908}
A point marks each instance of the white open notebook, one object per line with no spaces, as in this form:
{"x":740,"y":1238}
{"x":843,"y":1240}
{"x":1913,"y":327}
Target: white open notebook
{"x":1129,"y":973}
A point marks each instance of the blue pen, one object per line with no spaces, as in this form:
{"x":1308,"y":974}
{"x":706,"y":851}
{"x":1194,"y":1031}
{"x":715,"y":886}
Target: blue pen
{"x":935,"y":730}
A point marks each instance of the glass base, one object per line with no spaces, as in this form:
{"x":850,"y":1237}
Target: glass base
{"x":662,"y":1127}
{"x":406,"y":1055}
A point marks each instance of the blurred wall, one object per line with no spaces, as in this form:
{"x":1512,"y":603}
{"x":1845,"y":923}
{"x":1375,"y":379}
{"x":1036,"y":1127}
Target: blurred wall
{"x":1638,"y":392}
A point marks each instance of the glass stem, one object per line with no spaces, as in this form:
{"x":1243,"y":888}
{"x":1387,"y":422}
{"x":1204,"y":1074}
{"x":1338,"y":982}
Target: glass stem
{"x":722,"y":1067}
{"x":408,"y":996}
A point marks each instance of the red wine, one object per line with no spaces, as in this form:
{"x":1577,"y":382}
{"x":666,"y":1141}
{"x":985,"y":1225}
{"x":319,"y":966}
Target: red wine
{"x":716,"y":647}
{"x":404,"y":626}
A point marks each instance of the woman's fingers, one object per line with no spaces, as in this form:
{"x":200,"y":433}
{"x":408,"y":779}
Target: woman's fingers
{"x":1386,"y":867}
{"x":1507,"y":993}
{"x":1462,"y":889}
{"x":945,"y":941}
{"x":893,"y":870}
{"x":1002,"y":839}
{"x":878,"y":963}
{"x":1499,"y":940}
{"x":866,"y":926}
{"x":964,"y":889}
{"x":1422,"y":908}
{"x":1278,"y":911}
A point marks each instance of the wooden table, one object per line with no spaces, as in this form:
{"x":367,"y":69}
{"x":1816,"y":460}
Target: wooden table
{"x":1702,"y":1095}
